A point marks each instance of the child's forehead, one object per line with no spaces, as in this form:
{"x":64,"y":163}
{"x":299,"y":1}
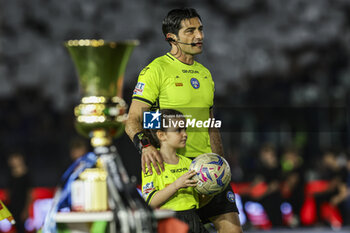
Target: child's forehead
{"x":175,"y":122}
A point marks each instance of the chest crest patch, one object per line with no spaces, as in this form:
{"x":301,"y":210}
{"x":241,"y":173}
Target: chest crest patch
{"x":195,"y":83}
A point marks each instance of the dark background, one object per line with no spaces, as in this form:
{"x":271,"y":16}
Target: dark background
{"x":281,"y":70}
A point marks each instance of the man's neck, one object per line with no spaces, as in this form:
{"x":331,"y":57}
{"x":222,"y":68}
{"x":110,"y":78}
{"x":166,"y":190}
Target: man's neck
{"x":183,"y":57}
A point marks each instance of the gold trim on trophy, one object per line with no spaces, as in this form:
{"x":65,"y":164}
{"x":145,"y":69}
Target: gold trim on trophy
{"x":100,"y":66}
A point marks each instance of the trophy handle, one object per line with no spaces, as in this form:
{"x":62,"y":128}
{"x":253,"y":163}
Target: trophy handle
{"x":100,"y":67}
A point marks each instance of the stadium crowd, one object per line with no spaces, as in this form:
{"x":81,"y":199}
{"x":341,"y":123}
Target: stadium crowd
{"x":282,"y":88}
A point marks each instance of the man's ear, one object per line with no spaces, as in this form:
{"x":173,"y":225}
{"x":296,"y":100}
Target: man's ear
{"x":171,"y":37}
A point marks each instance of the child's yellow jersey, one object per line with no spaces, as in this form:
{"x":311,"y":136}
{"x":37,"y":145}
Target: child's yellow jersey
{"x":183,"y":199}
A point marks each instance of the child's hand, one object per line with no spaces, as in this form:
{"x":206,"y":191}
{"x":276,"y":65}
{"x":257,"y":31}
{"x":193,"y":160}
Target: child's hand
{"x":185,"y":180}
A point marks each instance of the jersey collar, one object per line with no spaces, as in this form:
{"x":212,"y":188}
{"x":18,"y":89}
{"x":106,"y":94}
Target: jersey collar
{"x":177,"y":60}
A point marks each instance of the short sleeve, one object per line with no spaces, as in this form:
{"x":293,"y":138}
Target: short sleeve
{"x":213,"y":88}
{"x":149,"y":186}
{"x":147,"y":87}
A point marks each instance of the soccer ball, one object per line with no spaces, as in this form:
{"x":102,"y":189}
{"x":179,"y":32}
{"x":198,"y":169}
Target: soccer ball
{"x":213,"y":173}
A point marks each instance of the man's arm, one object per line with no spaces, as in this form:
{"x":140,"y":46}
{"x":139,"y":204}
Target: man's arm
{"x":215,"y":139}
{"x":132,"y":127}
{"x":134,"y":123}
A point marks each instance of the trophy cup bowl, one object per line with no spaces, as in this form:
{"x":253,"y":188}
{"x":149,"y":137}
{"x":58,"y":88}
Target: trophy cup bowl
{"x":100,"y":116}
{"x":100,"y":66}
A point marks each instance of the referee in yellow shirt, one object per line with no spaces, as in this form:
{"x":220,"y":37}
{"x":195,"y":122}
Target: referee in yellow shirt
{"x":177,"y":81}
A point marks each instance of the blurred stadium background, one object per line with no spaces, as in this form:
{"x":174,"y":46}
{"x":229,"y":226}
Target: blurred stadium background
{"x":281,"y":68}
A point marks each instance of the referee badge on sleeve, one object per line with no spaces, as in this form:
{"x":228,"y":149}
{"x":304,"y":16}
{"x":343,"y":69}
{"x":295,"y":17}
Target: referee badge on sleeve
{"x":230,"y":196}
{"x":147,"y":189}
{"x":139,"y":88}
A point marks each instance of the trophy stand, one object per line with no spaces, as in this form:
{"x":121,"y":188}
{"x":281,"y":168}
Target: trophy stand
{"x":100,"y":116}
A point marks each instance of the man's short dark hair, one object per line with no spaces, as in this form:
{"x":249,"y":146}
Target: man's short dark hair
{"x":172,"y":22}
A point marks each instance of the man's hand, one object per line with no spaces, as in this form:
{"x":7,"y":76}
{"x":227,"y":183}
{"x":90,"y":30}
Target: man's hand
{"x":185,"y":180}
{"x":151,"y":155}
{"x":133,"y":126}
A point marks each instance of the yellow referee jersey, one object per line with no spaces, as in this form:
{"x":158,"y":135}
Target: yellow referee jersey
{"x":168,"y":83}
{"x":183,"y":199}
